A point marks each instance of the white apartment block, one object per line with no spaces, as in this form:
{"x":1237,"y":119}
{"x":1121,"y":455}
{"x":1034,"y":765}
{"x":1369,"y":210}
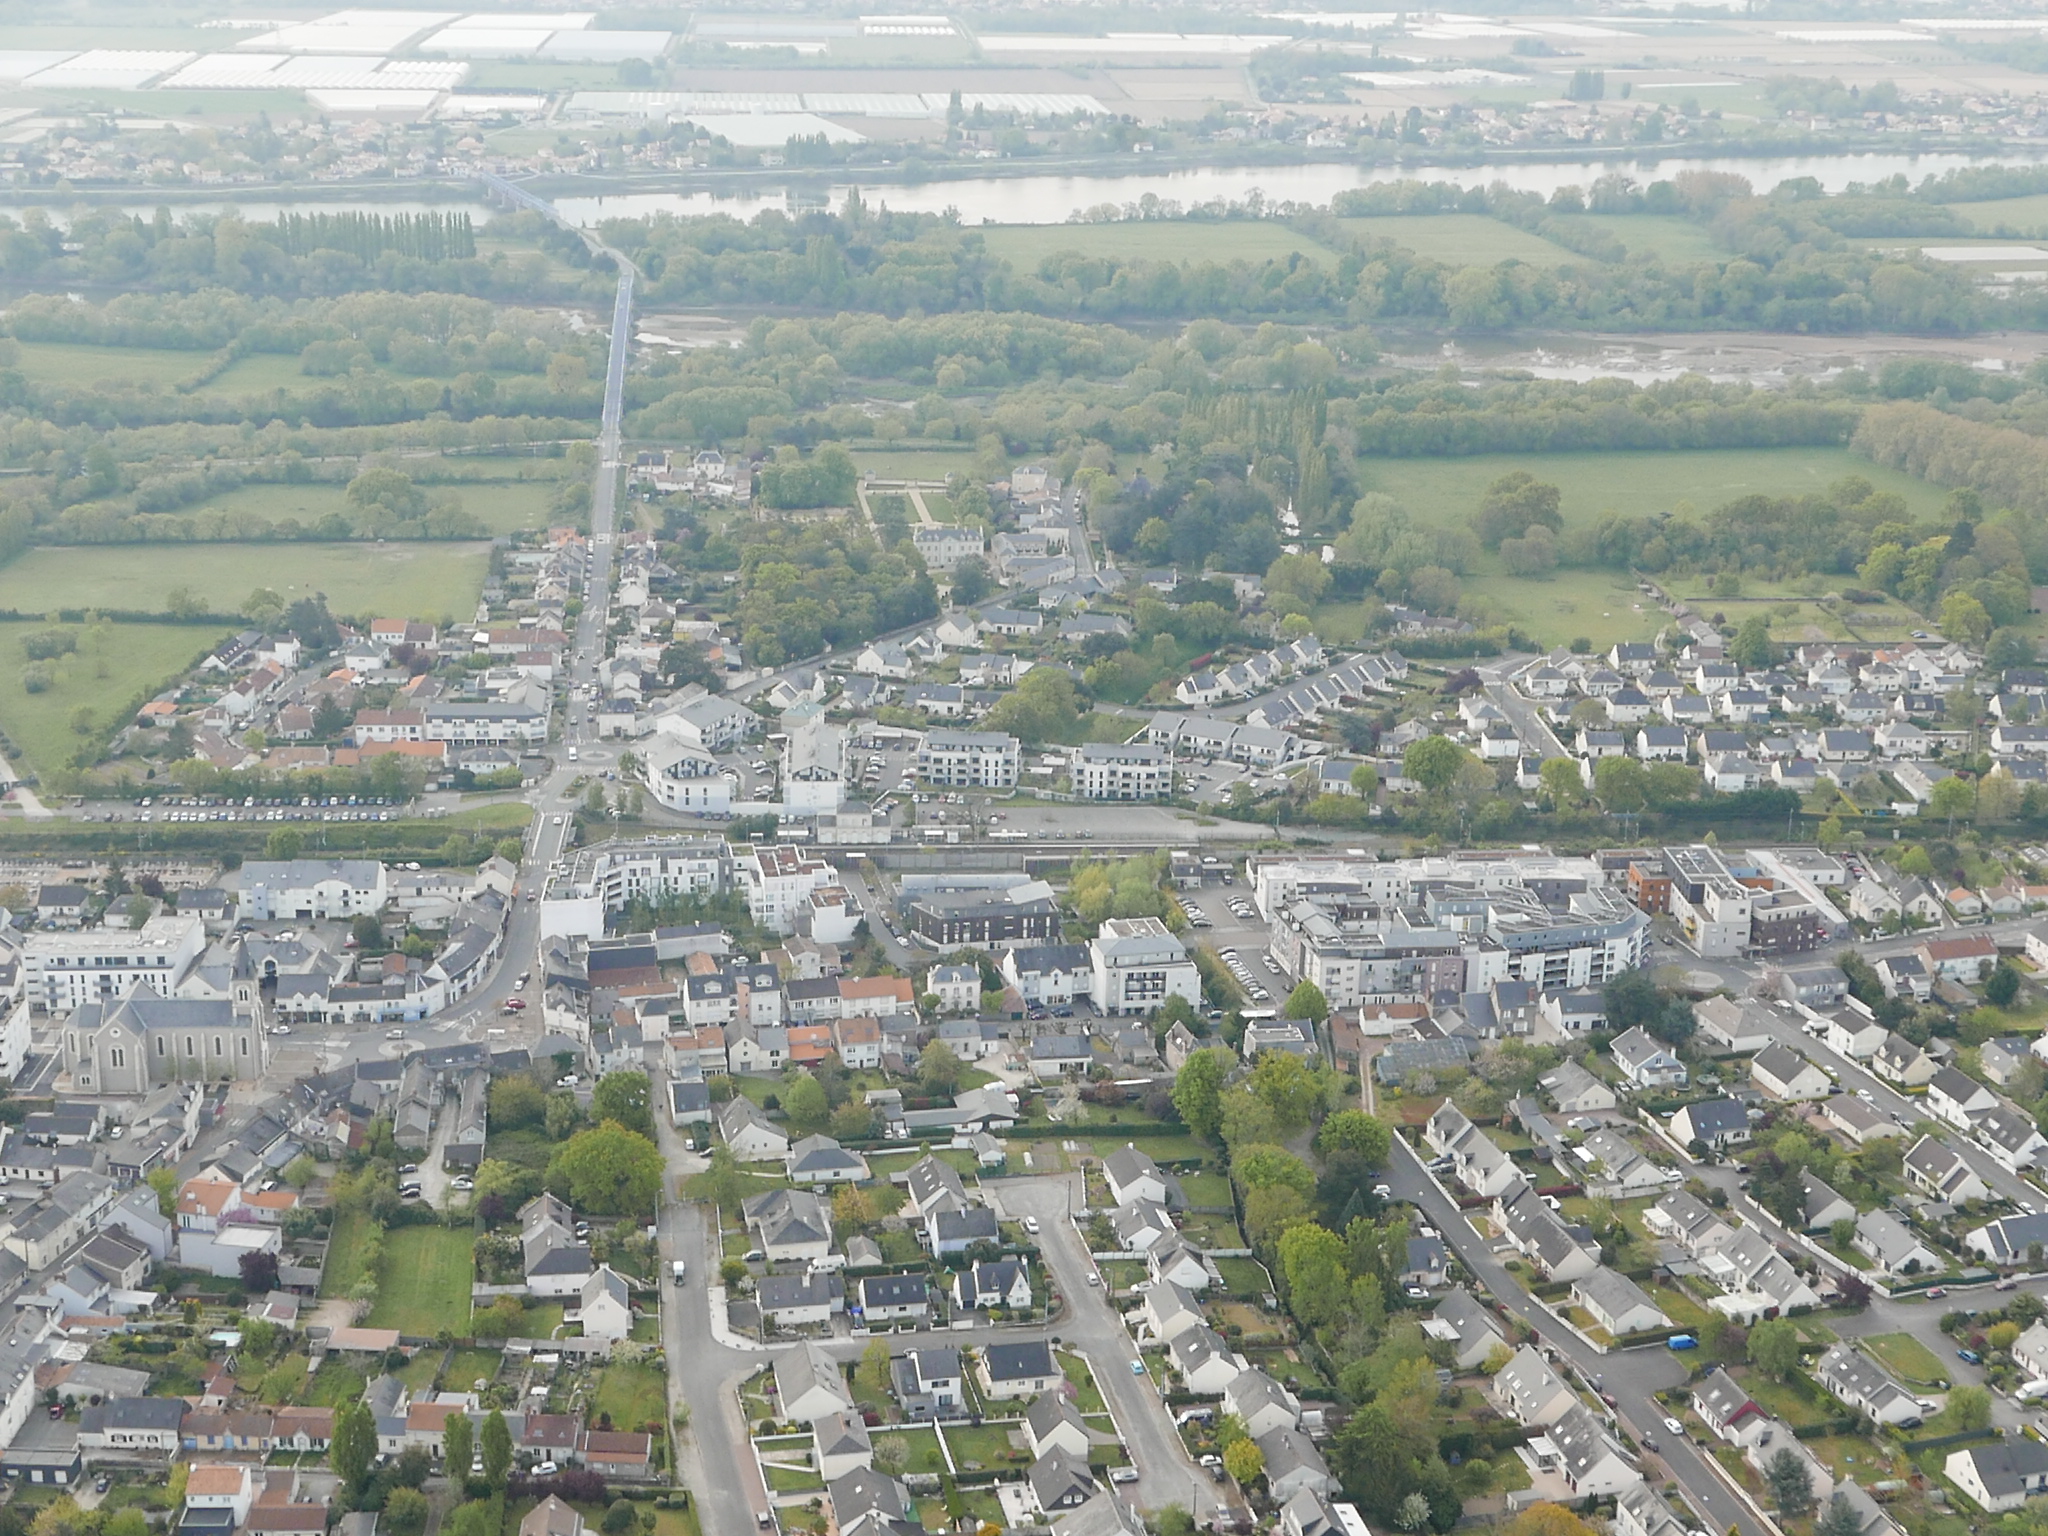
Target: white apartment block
{"x":304,"y":889}
{"x":686,"y":780}
{"x":969,"y":759}
{"x":66,"y":970}
{"x":1130,"y":771}
{"x":1138,"y":965}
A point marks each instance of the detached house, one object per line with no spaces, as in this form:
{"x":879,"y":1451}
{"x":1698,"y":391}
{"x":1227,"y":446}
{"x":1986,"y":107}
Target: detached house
{"x":1646,"y":1061}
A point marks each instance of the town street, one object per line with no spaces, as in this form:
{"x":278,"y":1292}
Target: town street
{"x":1630,"y":1375}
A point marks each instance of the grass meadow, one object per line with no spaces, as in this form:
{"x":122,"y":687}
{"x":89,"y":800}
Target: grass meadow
{"x":64,"y":362}
{"x":1461,"y":239}
{"x":2023,"y":215}
{"x":105,"y":675}
{"x":421,"y":580}
{"x":1025,"y":245}
{"x":1637,"y":484}
{"x":1672,"y":240}
{"x":501,"y":505}
{"x":1604,"y":606}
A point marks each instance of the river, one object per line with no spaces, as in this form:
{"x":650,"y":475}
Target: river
{"x":1056,"y":199}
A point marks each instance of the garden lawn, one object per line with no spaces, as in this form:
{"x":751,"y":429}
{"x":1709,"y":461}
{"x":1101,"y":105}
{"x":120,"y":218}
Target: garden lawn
{"x":1087,"y":1395}
{"x":1906,"y":1358}
{"x":1209,"y":1232}
{"x":423,"y":1283}
{"x":1163,"y":1149}
{"x":419,"y":1372}
{"x":471,"y":1365}
{"x":1244,"y":1277}
{"x":1211,"y":1190}
{"x":1679,"y":1307}
{"x":634,"y":1395}
{"x":986,"y":1445}
{"x":1798,"y":1402}
{"x":920,"y":1447}
{"x":344,"y":1266}
{"x":108,"y":677}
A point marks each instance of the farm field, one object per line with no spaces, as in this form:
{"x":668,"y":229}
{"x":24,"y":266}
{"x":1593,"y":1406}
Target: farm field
{"x":2029,"y":214}
{"x":1025,"y":245}
{"x":1461,"y":239}
{"x":1669,"y":238}
{"x":502,"y":505}
{"x":423,"y":580}
{"x":63,"y":362}
{"x":1638,"y":484}
{"x":105,"y":675}
{"x":424,"y":1279}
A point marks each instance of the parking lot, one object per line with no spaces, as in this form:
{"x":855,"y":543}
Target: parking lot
{"x":1223,"y":917}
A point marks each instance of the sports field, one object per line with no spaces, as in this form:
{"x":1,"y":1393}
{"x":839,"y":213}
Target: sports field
{"x":423,"y":1283}
{"x":114,"y":668}
{"x":1461,"y":239}
{"x":1638,"y":484}
{"x":431,"y":581}
{"x":1173,"y":240}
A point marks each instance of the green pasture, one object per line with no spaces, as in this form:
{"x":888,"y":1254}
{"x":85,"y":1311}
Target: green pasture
{"x":1461,"y":239}
{"x":74,"y":363}
{"x":1670,"y":239}
{"x":109,"y":672}
{"x":501,"y":505}
{"x":1637,"y":483}
{"x":1026,"y":245}
{"x":2020,"y":214}
{"x":417,"y":580}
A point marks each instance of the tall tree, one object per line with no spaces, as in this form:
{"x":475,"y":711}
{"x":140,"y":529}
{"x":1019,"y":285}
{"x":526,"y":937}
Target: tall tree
{"x":354,"y":1445}
{"x":622,"y":1096}
{"x":608,"y":1171}
{"x":1790,"y":1482}
{"x":1198,"y":1091}
{"x":496,"y":1442}
{"x":458,"y":1441}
